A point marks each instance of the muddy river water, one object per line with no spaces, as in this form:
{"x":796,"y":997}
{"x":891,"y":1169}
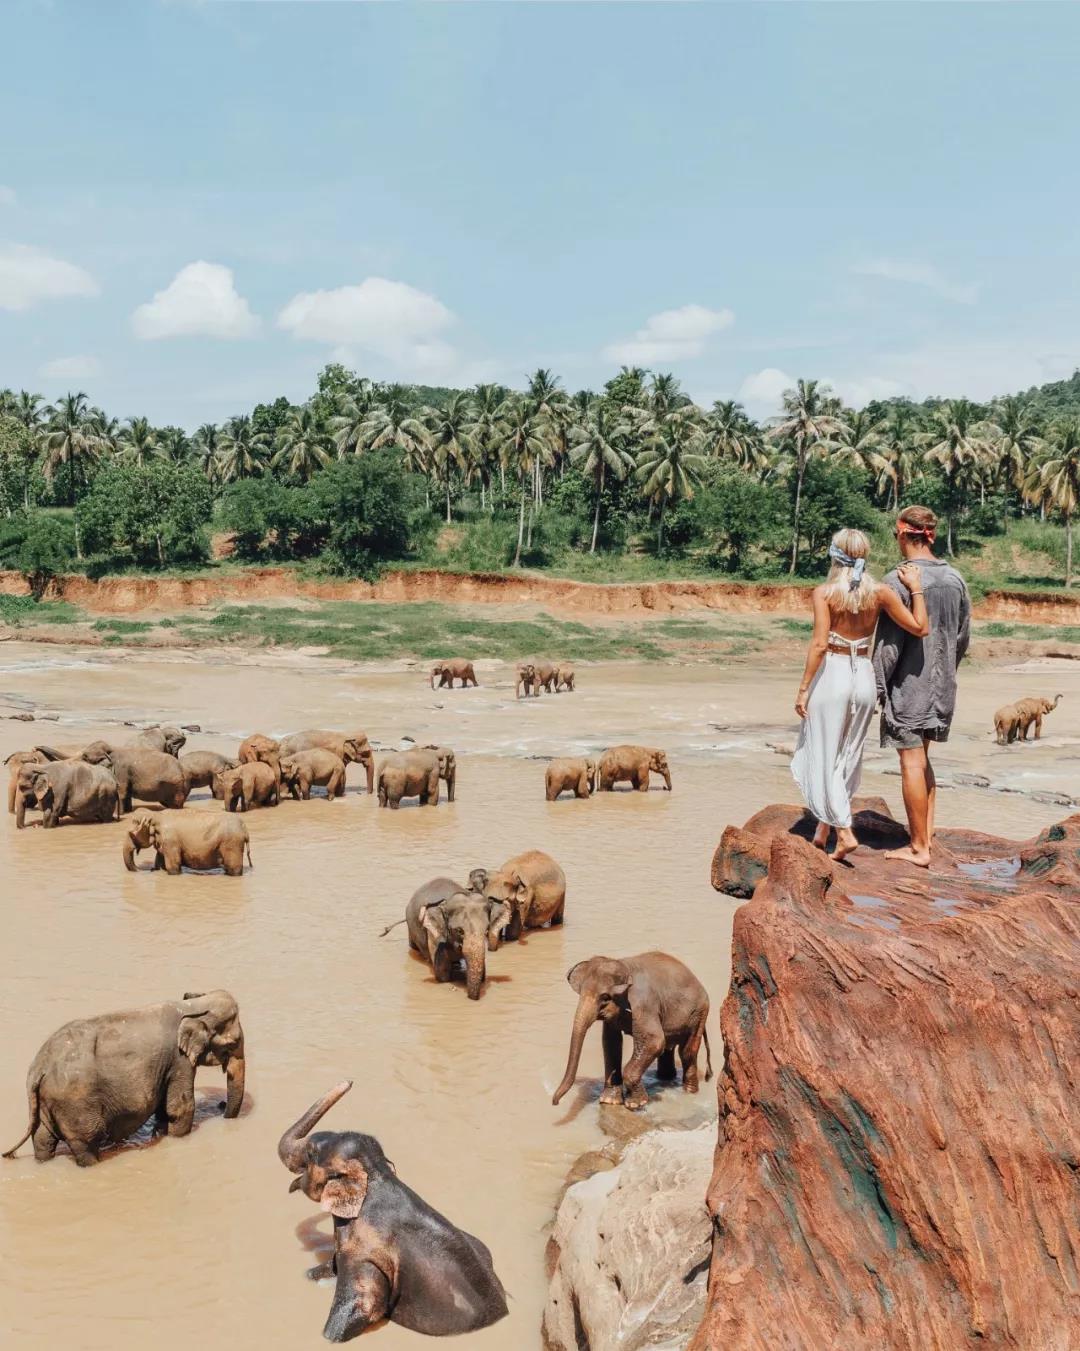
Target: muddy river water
{"x":194,"y":1242}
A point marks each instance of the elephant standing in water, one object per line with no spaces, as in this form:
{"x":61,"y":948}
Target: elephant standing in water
{"x":453,"y":668}
{"x":199,"y":841}
{"x":97,"y":1080}
{"x":632,"y":764}
{"x":15,"y":762}
{"x":260,"y":749}
{"x":448,"y":923}
{"x":347,"y":746}
{"x":394,"y":1256}
{"x":525,"y":678}
{"x":151,"y":776}
{"x":69,"y":788}
{"x":301,"y":771}
{"x":564,"y":677}
{"x":201,"y":768}
{"x":167,"y":739}
{"x":255,"y":784}
{"x":417,"y":774}
{"x":1014,"y":720}
{"x":532,"y":886}
{"x":571,"y":775}
{"x":658,"y":1002}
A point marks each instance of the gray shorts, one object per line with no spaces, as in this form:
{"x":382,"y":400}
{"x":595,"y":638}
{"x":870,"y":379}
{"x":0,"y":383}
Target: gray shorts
{"x":909,"y":739}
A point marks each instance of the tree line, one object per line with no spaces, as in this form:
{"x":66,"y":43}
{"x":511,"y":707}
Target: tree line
{"x":641,"y":445}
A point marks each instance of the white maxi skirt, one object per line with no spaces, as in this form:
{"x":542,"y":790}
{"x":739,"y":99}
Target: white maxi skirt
{"x":827,"y":764}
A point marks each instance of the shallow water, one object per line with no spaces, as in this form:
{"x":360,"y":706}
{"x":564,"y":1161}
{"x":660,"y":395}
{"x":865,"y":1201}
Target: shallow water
{"x":195,"y":1241}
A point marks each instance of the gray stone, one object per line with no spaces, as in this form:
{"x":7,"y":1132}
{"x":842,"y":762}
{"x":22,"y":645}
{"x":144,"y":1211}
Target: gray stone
{"x":630,"y":1249}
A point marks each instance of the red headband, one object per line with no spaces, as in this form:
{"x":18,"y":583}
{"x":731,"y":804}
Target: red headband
{"x":926,"y":532}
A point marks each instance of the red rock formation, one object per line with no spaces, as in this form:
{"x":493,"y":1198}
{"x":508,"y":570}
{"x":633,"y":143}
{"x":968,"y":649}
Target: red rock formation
{"x":899,"y":1155}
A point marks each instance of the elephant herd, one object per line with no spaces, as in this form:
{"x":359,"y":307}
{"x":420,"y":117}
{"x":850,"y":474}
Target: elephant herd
{"x":97,"y":1080}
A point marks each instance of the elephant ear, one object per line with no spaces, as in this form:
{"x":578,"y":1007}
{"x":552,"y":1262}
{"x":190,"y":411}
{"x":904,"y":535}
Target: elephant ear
{"x":344,"y":1193}
{"x":193,"y":1037}
{"x":478,"y":879}
{"x":576,"y":975}
{"x":153,"y":830}
{"x":498,"y":919}
{"x":434,"y":921}
{"x":621,"y":979}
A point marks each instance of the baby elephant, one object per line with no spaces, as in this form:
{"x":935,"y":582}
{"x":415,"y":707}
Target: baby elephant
{"x":202,"y":767}
{"x":574,"y":775}
{"x":300,"y":771}
{"x":195,"y":840}
{"x":254,"y":784}
{"x":1014,"y":720}
{"x":531,"y":885}
{"x":417,"y":774}
{"x":15,"y":762}
{"x":97,"y":1080}
{"x":632,"y":764}
{"x":658,"y":1003}
{"x":564,"y":677}
{"x":394,"y":1256}
{"x":449,"y":924}
{"x":453,"y":668}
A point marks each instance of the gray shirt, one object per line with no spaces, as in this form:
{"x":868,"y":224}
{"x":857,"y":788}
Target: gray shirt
{"x":916,"y":677}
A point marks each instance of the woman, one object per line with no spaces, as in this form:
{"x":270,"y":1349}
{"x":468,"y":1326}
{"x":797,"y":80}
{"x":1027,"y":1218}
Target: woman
{"x":838,"y":693}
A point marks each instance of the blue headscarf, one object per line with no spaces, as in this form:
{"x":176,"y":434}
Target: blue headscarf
{"x":857,"y":565}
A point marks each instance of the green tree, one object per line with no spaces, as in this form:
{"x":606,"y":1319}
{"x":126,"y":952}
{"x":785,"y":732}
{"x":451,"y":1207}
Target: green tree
{"x":139,"y":443}
{"x":1015,"y":440}
{"x":40,"y":547}
{"x":738,"y":513}
{"x":671,"y":462}
{"x":805,"y":429}
{"x":242,"y":452}
{"x":601,"y":451}
{"x":364,"y":505}
{"x":153,"y":514}
{"x":957,"y":442}
{"x":71,"y":442}
{"x":485,"y":434}
{"x":1057,"y":480}
{"x":304,"y":444}
{"x":522,"y":445}
{"x":174,"y":444}
{"x":449,"y":440}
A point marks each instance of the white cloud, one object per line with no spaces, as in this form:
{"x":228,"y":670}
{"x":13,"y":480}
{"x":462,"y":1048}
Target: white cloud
{"x":858,"y":391}
{"x":671,"y":335}
{"x":28,"y":275}
{"x":761,"y":392}
{"x":918,"y":274}
{"x":7,"y":195}
{"x":200,"y":301}
{"x":71,"y":368}
{"x":388,"y":318}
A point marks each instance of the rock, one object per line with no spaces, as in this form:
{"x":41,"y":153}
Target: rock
{"x":630,"y":1249}
{"x":972,"y":780}
{"x":190,"y":727}
{"x":1054,"y":799}
{"x":21,"y":717}
{"x":48,"y":717}
{"x":899,"y":1154}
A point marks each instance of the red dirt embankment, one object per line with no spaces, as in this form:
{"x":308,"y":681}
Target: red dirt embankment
{"x":132,"y":594}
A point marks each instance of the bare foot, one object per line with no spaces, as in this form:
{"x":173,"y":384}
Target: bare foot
{"x":821,"y":835}
{"x":920,"y":857}
{"x":846,"y":843}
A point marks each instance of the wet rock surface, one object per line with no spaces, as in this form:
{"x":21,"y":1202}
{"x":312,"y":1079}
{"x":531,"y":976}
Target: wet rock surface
{"x":899,"y":1153}
{"x":630,"y":1248}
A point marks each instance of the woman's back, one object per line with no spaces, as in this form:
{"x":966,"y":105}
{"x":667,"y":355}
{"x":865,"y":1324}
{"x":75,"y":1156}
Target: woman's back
{"x":847,"y":623}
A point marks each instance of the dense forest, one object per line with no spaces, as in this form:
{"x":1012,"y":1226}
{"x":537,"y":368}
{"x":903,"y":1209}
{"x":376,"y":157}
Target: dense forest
{"x":363,"y":474}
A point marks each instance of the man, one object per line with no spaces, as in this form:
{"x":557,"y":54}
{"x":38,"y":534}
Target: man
{"x":916,"y":677}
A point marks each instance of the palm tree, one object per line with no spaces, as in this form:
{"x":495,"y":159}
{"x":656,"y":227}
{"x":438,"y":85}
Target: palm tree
{"x":522,"y":446}
{"x":207,"y":442}
{"x":859,"y":442}
{"x":390,"y":423}
{"x":546,"y":398}
{"x":489,"y":409}
{"x":107,"y":430}
{"x":350,"y":424}
{"x":600,"y":452}
{"x":449,"y":443}
{"x":804,"y":429}
{"x":27,"y":409}
{"x":1015,"y":434}
{"x":898,"y":453}
{"x":174,"y":444}
{"x":138,"y":442}
{"x":304,"y":444}
{"x":671,"y":462}
{"x":70,"y":439}
{"x":1057,"y":480}
{"x":956,"y":441}
{"x":732,"y":435}
{"x":665,"y":395}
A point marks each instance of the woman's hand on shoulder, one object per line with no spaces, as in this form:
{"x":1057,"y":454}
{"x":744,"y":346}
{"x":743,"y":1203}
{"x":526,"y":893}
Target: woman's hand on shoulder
{"x":910,"y":575}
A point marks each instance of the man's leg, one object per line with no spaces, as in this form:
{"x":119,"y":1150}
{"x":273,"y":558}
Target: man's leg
{"x":916,"y":778}
{"x":931,"y":793}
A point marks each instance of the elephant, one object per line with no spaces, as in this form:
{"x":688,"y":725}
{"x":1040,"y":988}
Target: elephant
{"x":66,"y":788}
{"x":202,"y":767}
{"x":196,"y":840}
{"x":15,"y":762}
{"x":564,"y":677}
{"x":260,"y":749}
{"x":394,"y":1256}
{"x":152,"y":776}
{"x":449,"y":923}
{"x":252,"y":785}
{"x":347,"y":746}
{"x":167,"y":739}
{"x":658,"y":1002}
{"x":453,"y":668}
{"x":533,"y":886}
{"x":300,"y":771}
{"x":632,"y":763}
{"x":96,"y":1080}
{"x":1013,"y":720}
{"x":545,"y":676}
{"x":527,"y":680}
{"x":577,"y":775}
{"x":416,"y":773}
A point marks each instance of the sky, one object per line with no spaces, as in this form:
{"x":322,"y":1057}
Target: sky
{"x":201,"y":204}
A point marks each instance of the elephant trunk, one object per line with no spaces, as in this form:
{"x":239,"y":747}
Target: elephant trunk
{"x":667,"y":778}
{"x":583,"y":1020}
{"x":368,"y":761}
{"x":1057,"y":700}
{"x":130,"y":853}
{"x":431,"y":682}
{"x":451,"y":782}
{"x":234,"y":1076}
{"x":20,"y":809}
{"x":472,"y":950}
{"x":290,"y":1150}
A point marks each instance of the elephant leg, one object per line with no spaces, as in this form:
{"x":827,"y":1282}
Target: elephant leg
{"x":512,"y":932}
{"x":552,"y":792}
{"x":173,"y":859}
{"x":361,"y":1299}
{"x":84,"y":1156}
{"x":648,"y":1045}
{"x":433,"y":789}
{"x":180,"y":1099}
{"x":232,"y":860}
{"x":688,"y":1054}
{"x":582,"y":789}
{"x":612,"y":1093}
{"x":442,"y":964}
{"x":1038,"y":728}
{"x":159,"y":861}
{"x":44,"y":1142}
{"x":557,"y":917}
{"x":641,"y":781}
{"x":665,"y":1065}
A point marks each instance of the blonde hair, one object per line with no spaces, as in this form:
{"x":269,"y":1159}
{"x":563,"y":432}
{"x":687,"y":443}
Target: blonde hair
{"x":839,"y":591}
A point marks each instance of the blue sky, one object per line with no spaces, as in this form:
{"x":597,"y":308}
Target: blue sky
{"x":202,"y":204}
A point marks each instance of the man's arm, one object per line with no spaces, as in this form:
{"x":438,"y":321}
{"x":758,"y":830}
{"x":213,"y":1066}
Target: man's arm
{"x":963,"y":637}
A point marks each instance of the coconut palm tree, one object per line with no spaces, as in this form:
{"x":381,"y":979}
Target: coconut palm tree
{"x":860,"y":442}
{"x":601,"y":451}
{"x":671,"y":462}
{"x":899,"y":453}
{"x":207,"y":443}
{"x":1016,"y":441}
{"x":304,"y":444}
{"x":732,"y":435}
{"x":804,"y":429}
{"x":28,"y":409}
{"x":523,"y":443}
{"x":547,"y":399}
{"x":449,"y":440}
{"x":665,"y":395}
{"x":70,"y":440}
{"x":1056,"y":481}
{"x":174,"y":444}
{"x":350,"y":425}
{"x":107,"y":430}
{"x":138,"y":442}
{"x":489,"y":408}
{"x":957,"y":442}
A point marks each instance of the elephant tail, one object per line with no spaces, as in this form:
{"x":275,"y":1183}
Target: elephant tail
{"x":708,"y":1056}
{"x":34,"y":1107}
{"x":391,"y":926}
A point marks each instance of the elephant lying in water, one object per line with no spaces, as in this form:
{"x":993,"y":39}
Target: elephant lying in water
{"x":151,"y":776}
{"x":69,"y":788}
{"x":658,"y":1002}
{"x":532,"y":886}
{"x":97,"y":1080}
{"x":631,"y":764}
{"x":201,"y":767}
{"x":347,"y":746}
{"x":196,"y":840}
{"x":449,"y":923}
{"x":394,"y":1256}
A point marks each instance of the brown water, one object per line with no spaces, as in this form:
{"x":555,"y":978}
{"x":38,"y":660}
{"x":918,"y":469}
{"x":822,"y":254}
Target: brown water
{"x":194,"y":1241}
